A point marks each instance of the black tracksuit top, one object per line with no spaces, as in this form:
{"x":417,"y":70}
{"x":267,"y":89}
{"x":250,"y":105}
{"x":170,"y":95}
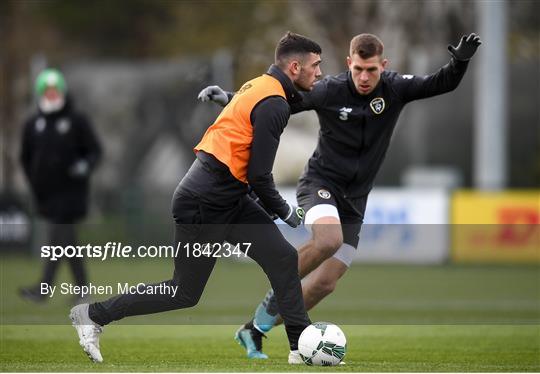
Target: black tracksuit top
{"x":355,"y":130}
{"x":51,"y":145}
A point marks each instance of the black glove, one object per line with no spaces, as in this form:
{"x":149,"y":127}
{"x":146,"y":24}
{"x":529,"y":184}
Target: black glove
{"x":466,"y":48}
{"x":294,"y":217}
{"x":254,"y":196}
{"x":215,"y":94}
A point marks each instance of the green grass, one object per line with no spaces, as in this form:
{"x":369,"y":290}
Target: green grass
{"x":396,"y":318}
{"x":211,"y":348}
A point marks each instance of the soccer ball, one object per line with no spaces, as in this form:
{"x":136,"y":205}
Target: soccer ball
{"x":322,"y":344}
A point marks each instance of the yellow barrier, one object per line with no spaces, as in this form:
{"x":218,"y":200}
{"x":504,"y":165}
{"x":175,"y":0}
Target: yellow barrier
{"x":496,"y":227}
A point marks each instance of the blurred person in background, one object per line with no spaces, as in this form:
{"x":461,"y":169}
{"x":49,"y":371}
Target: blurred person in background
{"x":211,"y":203}
{"x":59,"y":152}
{"x":357,"y":110}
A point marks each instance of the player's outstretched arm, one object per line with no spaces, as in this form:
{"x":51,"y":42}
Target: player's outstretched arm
{"x":446,"y":79}
{"x":310,"y":100}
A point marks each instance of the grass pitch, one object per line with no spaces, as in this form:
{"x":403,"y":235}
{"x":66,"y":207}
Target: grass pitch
{"x":211,"y":348}
{"x":396,"y":318}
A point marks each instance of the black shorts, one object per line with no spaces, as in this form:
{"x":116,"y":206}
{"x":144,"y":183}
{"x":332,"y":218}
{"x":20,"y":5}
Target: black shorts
{"x":310,"y":193}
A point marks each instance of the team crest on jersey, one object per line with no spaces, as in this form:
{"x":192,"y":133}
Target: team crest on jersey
{"x":377,"y":105}
{"x":63,"y":126}
{"x":40,"y":124}
{"x":344,"y":113}
{"x":324,"y":194}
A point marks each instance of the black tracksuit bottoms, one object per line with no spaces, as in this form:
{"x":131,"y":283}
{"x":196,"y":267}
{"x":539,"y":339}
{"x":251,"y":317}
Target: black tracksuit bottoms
{"x":207,"y":210}
{"x":64,"y":234}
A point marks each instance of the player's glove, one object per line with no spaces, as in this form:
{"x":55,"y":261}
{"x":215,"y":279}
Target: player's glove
{"x":294,"y":217}
{"x":79,"y":169}
{"x":215,"y":94}
{"x":466,"y":48}
{"x":254,"y":196}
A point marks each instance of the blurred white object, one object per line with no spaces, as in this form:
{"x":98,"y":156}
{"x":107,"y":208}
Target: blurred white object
{"x":432,"y":177}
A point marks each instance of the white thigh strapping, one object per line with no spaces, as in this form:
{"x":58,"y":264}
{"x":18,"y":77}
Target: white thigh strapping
{"x":345,"y":254}
{"x":319,"y":211}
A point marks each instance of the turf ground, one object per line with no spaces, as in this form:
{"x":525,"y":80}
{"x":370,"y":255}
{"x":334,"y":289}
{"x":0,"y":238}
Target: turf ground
{"x":396,"y":318}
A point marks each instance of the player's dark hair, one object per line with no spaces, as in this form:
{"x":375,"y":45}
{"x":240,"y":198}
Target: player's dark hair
{"x":294,"y":44}
{"x":366,"y":46}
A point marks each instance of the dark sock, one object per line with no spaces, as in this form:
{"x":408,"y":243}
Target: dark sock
{"x":94,"y":315}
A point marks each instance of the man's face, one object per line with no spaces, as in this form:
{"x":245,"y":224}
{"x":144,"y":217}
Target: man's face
{"x":52,"y":94}
{"x":366,"y":73}
{"x":307,"y":71}
{"x":52,"y":100}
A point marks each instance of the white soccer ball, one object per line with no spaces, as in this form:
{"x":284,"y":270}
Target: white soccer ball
{"x":322,"y":344}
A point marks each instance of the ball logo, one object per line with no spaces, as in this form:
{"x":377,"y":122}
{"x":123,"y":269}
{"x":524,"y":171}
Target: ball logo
{"x":377,"y":105}
{"x":324,"y":194}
